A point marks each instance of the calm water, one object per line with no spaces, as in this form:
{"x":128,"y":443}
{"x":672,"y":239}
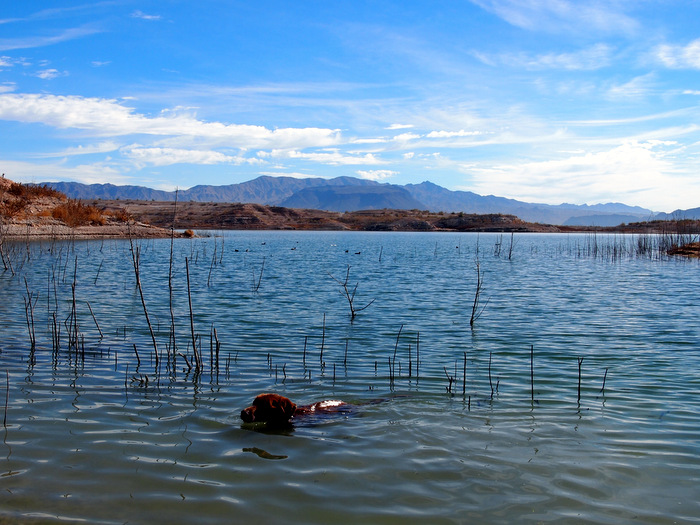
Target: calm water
{"x":92,"y":435}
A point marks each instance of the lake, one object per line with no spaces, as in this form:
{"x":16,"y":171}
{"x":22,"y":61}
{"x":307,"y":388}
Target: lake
{"x":573,"y":398}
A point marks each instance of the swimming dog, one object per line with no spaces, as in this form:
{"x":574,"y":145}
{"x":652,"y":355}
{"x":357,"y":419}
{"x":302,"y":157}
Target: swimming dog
{"x":275,"y":409}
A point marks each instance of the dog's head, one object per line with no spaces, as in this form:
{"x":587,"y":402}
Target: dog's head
{"x":269,"y":408}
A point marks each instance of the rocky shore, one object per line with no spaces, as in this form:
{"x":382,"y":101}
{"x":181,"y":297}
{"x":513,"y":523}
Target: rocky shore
{"x":33,"y":212}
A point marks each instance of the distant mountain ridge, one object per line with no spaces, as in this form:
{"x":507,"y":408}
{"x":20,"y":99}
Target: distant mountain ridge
{"x":692,"y":213}
{"x":352,"y":194}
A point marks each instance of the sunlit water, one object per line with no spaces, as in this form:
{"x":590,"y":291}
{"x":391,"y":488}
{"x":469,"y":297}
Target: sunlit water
{"x":92,"y":435}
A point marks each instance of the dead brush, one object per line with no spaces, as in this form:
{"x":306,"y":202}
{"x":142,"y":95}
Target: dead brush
{"x":120,"y":214}
{"x":11,"y":208}
{"x":17,"y":197}
{"x":75,"y":213}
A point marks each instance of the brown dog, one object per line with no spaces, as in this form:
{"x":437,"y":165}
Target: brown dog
{"x":278,"y":410}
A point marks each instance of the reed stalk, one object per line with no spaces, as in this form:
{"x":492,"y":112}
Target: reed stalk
{"x":578,"y":399}
{"x":464,"y":376}
{"x":170,"y":278}
{"x":94,"y":319}
{"x":410,"y":362}
{"x":450,"y":380}
{"x":138,"y":359}
{"x":256,"y":286}
{"x":323,"y":339}
{"x":197,"y":358}
{"x":605,"y":376}
{"x":306,"y":339}
{"x":7,"y":397}
{"x":74,"y":312}
{"x":417,"y":353}
{"x":29,"y":312}
{"x":476,"y":312}
{"x":532,"y":374}
{"x":490,"y":382}
{"x":510,"y":248}
{"x":136,"y":259}
{"x":396,"y":348}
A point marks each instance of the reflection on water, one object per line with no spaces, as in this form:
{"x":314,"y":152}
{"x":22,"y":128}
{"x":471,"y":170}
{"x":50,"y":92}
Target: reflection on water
{"x":93,"y":433}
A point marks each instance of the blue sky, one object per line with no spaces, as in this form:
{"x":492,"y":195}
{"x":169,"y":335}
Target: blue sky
{"x":539,"y":100}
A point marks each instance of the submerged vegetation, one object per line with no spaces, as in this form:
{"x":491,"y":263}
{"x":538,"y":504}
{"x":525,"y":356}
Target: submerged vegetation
{"x":180,"y":347}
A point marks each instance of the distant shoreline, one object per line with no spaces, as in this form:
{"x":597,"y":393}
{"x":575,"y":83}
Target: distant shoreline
{"x":250,"y":216}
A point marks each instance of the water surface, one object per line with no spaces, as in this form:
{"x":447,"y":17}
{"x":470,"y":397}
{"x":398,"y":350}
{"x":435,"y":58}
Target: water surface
{"x":92,"y":434}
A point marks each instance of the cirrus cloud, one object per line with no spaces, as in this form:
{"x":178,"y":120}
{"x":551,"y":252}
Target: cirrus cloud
{"x":679,"y":57}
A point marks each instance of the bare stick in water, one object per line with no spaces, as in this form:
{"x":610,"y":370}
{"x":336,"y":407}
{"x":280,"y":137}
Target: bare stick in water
{"x":490,"y":382}
{"x":138,"y":359}
{"x":532,"y":374}
{"x":464,"y":376}
{"x":7,"y":397}
{"x":189,"y":299}
{"x":396,"y":347}
{"x":578,"y":399}
{"x":350,"y":295}
{"x":94,"y":319}
{"x":476,"y":312}
{"x":136,"y":256}
{"x":605,"y":376}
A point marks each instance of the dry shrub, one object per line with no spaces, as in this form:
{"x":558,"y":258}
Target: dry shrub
{"x":18,"y":196}
{"x":75,"y":213}
{"x":31,"y":191}
{"x":121,"y":215}
{"x":12,"y":208}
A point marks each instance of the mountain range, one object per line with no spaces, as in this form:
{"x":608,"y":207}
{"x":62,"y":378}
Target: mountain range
{"x":352,"y":194}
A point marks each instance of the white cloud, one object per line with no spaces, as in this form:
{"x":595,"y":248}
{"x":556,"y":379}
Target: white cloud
{"x":50,"y":74}
{"x":376,"y":174}
{"x":7,"y":44}
{"x":7,"y":87}
{"x":107,"y":117}
{"x":399,"y":126}
{"x":169,"y":156}
{"x":589,"y":59}
{"x":333,"y":158}
{"x":102,"y":147}
{"x":679,"y":57}
{"x":376,"y":140}
{"x":640,"y":86}
{"x":293,"y":174}
{"x":633,"y":172}
{"x":86,"y":173}
{"x":405,"y":137}
{"x":561,"y":16}
{"x":144,"y":16}
{"x":451,"y":134}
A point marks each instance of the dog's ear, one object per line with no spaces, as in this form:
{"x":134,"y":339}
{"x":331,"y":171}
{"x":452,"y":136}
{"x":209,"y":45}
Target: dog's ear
{"x":288,"y":407}
{"x":282,"y":407}
{"x":248,"y":414}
